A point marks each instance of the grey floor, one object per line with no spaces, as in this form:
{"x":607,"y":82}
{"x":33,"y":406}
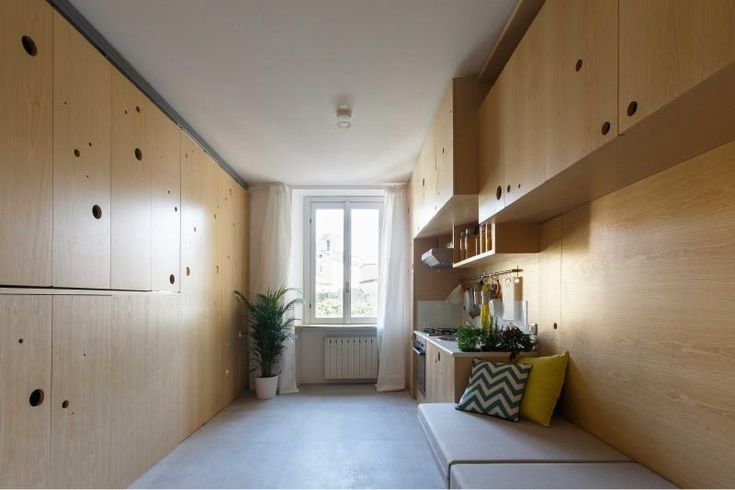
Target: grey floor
{"x":326,"y":436}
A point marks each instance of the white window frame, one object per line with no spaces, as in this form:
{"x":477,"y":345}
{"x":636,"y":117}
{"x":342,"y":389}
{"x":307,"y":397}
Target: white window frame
{"x":347,"y":203}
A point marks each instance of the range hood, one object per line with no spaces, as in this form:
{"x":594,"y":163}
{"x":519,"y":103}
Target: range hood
{"x":438,"y":258}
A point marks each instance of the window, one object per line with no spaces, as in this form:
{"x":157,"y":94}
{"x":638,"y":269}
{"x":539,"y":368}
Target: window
{"x":343,"y":252}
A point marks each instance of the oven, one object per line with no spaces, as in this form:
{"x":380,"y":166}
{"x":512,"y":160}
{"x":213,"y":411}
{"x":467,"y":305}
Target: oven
{"x":419,"y":362}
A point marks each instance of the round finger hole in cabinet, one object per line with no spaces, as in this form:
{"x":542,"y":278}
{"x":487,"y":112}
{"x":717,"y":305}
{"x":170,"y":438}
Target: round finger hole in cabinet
{"x":555,"y":326}
{"x":499,"y":192}
{"x":171,"y":279}
{"x":29,"y":45}
{"x":77,"y":153}
{"x":96,"y":211}
{"x":605,"y":127}
{"x":578,"y":65}
{"x":507,"y":189}
{"x":188,"y":271}
{"x":632,"y":108}
{"x":65,"y":404}
{"x":20,"y":341}
{"x":138,"y":154}
{"x":36,"y":397}
{"x":176,"y":209}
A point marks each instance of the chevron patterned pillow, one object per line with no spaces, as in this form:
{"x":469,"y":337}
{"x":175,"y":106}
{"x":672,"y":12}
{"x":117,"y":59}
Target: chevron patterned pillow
{"x":495,"y":389}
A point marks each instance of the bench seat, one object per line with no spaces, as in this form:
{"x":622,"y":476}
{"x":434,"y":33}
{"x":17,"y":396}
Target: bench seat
{"x":555,"y":475}
{"x":457,"y":437}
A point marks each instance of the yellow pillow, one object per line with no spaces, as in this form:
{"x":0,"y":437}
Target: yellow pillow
{"x":543,"y":387}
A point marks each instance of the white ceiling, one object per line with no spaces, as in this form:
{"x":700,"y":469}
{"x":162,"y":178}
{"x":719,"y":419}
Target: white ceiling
{"x":260,"y":79}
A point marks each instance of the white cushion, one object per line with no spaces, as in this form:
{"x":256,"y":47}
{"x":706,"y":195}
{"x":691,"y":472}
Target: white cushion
{"x":462,"y":437}
{"x":555,"y":475}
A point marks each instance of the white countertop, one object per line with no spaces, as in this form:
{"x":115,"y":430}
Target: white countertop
{"x":451,"y":347}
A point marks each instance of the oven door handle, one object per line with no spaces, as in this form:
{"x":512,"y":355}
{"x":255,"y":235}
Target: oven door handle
{"x":418,"y":352}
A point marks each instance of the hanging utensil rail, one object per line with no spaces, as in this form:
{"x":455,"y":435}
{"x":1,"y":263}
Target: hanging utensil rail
{"x":496,"y":274}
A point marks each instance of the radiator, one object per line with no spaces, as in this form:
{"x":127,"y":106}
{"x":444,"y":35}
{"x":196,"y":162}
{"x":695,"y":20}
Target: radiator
{"x":350,"y":357}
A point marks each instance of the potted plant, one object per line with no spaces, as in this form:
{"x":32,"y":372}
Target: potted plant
{"x":270,"y":319}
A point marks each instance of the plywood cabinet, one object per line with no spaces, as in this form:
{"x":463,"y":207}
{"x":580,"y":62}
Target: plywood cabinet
{"x":439,"y":375}
{"x":445,"y":178}
{"x":580,"y":83}
{"x":130,"y":203}
{"x":25,"y":142}
{"x":667,"y":48}
{"x":25,"y":385}
{"x":163,"y":144}
{"x":81,"y":161}
{"x":491,"y":161}
{"x":523,"y":112}
{"x":553,"y":104}
{"x":81,"y":398}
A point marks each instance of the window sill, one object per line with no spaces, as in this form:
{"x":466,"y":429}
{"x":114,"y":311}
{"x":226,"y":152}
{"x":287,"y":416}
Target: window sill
{"x":339,"y":325}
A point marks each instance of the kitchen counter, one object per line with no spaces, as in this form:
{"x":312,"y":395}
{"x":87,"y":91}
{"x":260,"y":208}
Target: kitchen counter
{"x":451,"y":348}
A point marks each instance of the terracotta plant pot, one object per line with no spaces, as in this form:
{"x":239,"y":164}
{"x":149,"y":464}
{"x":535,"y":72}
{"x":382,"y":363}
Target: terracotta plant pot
{"x":265,"y":388}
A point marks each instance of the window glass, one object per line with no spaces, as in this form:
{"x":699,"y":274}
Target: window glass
{"x":364,"y":234}
{"x":329,"y":265}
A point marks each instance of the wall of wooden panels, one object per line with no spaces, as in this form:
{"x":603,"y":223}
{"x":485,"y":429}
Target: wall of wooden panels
{"x":135,"y":340}
{"x":639,"y":285}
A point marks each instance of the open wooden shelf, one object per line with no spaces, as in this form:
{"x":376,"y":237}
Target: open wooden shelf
{"x":507,"y":239}
{"x":479,"y":260}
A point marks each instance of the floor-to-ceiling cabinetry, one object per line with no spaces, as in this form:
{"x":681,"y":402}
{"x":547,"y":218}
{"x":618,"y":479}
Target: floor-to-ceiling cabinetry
{"x":121,"y":242}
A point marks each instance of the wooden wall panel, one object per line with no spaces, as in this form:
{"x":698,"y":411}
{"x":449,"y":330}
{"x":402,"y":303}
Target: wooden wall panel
{"x":163,"y":143}
{"x":25,"y":357}
{"x":130,"y":199}
{"x":648,"y":318}
{"x":25,"y":139}
{"x":81,"y":398}
{"x":81,"y":154}
{"x":193,"y":258}
{"x":243,"y":283}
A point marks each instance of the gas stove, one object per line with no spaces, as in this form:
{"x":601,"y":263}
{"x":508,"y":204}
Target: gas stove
{"x":437,"y":332}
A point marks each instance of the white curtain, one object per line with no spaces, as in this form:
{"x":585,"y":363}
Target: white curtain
{"x":393,"y":291}
{"x":273,"y":267}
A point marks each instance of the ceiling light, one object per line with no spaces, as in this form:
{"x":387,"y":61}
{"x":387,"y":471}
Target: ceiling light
{"x":344,"y":117}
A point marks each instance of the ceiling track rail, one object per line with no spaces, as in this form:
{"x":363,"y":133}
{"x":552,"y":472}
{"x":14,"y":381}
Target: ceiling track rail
{"x":70,"y":13}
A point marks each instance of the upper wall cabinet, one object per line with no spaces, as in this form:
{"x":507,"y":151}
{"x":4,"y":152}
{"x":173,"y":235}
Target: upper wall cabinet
{"x":130,"y":204}
{"x":193,"y":219}
{"x":554,"y":103}
{"x":81,"y":155}
{"x":163,"y":145}
{"x":667,"y":48}
{"x":444,"y":183}
{"x":581,"y":78}
{"x":25,"y":142}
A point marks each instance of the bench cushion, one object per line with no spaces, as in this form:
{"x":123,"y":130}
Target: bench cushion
{"x":461,"y":437}
{"x":555,"y":475}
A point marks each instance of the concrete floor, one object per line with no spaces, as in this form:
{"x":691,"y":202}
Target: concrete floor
{"x":326,"y":436}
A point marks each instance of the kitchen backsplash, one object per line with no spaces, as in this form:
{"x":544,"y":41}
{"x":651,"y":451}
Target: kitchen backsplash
{"x":436,"y":314}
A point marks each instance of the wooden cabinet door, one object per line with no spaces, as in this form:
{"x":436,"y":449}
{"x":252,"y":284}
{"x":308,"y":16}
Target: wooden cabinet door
{"x":491,"y":164}
{"x":81,"y":153}
{"x":193,"y":221}
{"x":130,"y":192}
{"x":668,"y":47}
{"x":25,"y":142}
{"x":163,"y":144}
{"x":25,"y":385}
{"x":581,"y":82}
{"x":444,"y":178}
{"x":81,"y":398}
{"x":445,"y":391}
{"x":428,"y":179}
{"x":523,"y":112}
{"x":432,"y":374}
